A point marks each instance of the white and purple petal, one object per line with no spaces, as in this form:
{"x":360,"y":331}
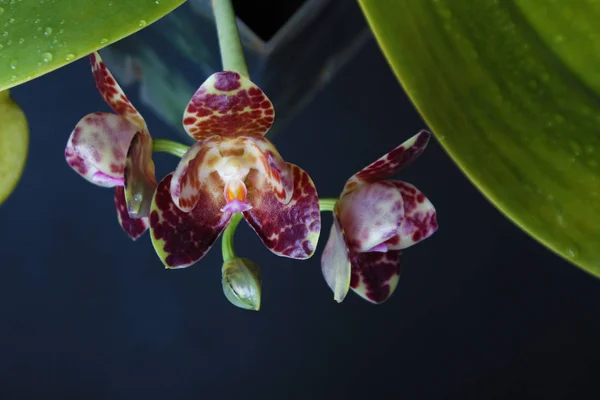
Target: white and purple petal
{"x":112,"y":93}
{"x":182,"y":238}
{"x":420,"y":220}
{"x":228,"y":104}
{"x":335,"y":262}
{"x":371,"y":215}
{"x":97,"y":148}
{"x":390,"y":163}
{"x":288,"y":230}
{"x":375,"y":275}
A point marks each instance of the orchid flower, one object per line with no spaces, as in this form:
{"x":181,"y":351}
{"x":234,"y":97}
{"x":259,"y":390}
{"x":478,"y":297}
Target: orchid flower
{"x":115,"y":150}
{"x":232,"y":169}
{"x":374,"y":219}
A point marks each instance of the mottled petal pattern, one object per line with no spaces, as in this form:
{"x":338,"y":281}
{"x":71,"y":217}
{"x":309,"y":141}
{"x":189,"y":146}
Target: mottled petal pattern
{"x":193,"y":171}
{"x":98,"y":146}
{"x":112,"y":92}
{"x":390,"y":163}
{"x":182,"y":238}
{"x":371,"y":215}
{"x":133,"y":227}
{"x":419,"y":217}
{"x":275,"y":170}
{"x":228,"y":104}
{"x":140,"y":181}
{"x":335,"y":262}
{"x":375,"y":275}
{"x":288,"y":230}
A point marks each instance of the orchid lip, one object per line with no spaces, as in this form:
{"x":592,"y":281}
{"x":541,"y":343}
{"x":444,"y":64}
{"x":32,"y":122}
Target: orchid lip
{"x":103,"y":179}
{"x":235,"y":206}
{"x":380,"y":248}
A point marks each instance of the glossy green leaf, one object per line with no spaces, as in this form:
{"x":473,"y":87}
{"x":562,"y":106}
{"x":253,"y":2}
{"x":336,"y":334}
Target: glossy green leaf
{"x":511,"y":89}
{"x":14,"y":141}
{"x":38,"y":36}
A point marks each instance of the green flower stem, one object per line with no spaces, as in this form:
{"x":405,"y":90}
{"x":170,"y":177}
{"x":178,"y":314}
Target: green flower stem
{"x":227,"y":241}
{"x":169,"y":146}
{"x":232,"y":55}
{"x":327,"y":204}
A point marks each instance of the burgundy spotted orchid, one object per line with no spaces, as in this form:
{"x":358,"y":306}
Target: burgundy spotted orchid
{"x":375,"y":219}
{"x":115,"y":150}
{"x":232,"y":169}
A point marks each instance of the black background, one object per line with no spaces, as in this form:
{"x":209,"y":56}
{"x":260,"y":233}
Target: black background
{"x":482,"y":311}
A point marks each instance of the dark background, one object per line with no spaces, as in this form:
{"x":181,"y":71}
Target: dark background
{"x":482,"y":311}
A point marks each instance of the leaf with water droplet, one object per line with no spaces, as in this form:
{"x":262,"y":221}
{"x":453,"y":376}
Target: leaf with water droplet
{"x":59,"y":28}
{"x":520,"y":116}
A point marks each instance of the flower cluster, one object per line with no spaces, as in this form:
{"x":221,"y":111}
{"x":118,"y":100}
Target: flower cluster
{"x":232,"y":169}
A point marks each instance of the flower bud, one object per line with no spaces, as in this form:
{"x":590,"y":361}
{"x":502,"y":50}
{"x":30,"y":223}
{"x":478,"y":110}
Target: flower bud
{"x":241,"y":283}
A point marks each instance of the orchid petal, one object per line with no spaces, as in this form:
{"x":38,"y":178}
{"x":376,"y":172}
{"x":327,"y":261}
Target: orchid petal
{"x":182,"y":238}
{"x":288,"y":230}
{"x":228,"y":104}
{"x":419,"y":217}
{"x":335,"y":262}
{"x":140,"y":181}
{"x":112,"y":92}
{"x":372,"y":214}
{"x":98,"y":146}
{"x":134,"y":227}
{"x":193,"y":171}
{"x":375,"y":275}
{"x":275,"y":170}
{"x":390,"y":163}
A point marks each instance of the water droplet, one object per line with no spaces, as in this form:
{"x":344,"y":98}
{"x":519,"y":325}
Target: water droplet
{"x":48,"y":31}
{"x":11,"y":20}
{"x":39,"y":28}
{"x":1,"y":10}
{"x":21,"y":40}
{"x":573,"y":252}
{"x":55,"y":41}
{"x":1,"y":46}
{"x":103,"y":41}
{"x":47,"y":57}
{"x":62,"y":21}
{"x":60,"y":32}
{"x":13,"y":64}
{"x":5,"y":33}
{"x":13,"y":78}
{"x":69,"y":57}
{"x":157,"y":2}
{"x":142,"y":23}
{"x":37,"y":21}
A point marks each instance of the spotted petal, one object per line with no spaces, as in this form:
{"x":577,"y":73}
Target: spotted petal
{"x":371,"y":215}
{"x":390,"y":163}
{"x":140,"y":181}
{"x":112,"y":92}
{"x":182,"y":238}
{"x":276,"y":171}
{"x":335,"y":262}
{"x":375,"y":275}
{"x":98,"y":146}
{"x":134,"y":227}
{"x":419,"y":217}
{"x":288,"y":230}
{"x":228,"y":104}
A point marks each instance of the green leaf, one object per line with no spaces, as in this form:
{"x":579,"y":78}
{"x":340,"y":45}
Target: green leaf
{"x":511,"y":89}
{"x":38,"y":36}
{"x":14,"y":141}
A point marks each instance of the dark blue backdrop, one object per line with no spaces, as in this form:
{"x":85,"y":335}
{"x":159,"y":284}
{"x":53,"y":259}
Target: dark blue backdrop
{"x":482,"y":310}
